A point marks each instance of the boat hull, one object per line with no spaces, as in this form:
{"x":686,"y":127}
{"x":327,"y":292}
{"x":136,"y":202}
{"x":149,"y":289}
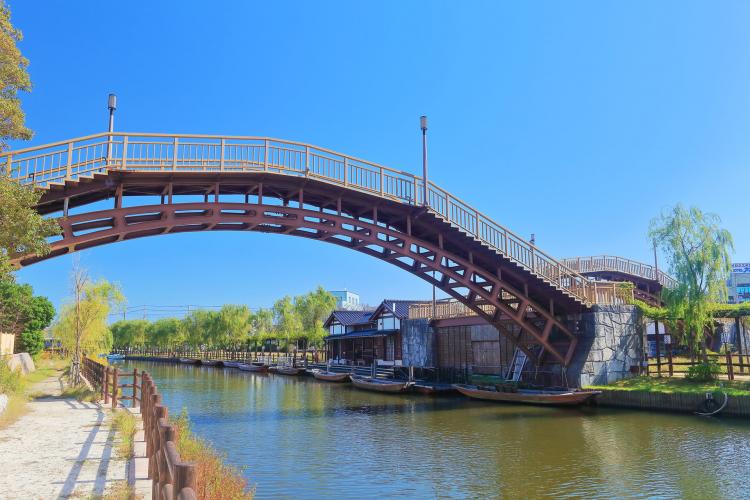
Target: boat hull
{"x":370,"y":384}
{"x":252,"y":368}
{"x":330,"y":376}
{"x":287,"y":370}
{"x":561,"y":398}
{"x":188,"y":361}
{"x":231,"y":364}
{"x":434,"y":389}
{"x":209,"y":362}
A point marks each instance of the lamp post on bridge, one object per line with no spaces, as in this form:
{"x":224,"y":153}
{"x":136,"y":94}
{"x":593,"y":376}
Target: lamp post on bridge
{"x":423,"y":126}
{"x":112,"y":105}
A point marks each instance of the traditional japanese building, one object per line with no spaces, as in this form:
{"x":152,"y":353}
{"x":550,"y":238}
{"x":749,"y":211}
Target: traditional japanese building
{"x":385,"y":336}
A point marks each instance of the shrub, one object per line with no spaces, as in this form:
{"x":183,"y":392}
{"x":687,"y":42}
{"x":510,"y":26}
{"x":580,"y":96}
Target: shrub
{"x":32,"y":342}
{"x":11,"y":381}
{"x":704,"y":372}
{"x":215,"y":479}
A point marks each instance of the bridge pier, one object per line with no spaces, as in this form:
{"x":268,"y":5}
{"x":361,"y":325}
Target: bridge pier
{"x":611,"y":342}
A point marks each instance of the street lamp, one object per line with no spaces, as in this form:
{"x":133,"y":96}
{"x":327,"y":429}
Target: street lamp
{"x":423,"y":126}
{"x":112,"y":105}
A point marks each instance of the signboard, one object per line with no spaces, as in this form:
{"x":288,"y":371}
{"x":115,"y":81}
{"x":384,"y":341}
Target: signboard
{"x":742,"y":268}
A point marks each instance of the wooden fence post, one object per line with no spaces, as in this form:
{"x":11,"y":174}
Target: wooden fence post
{"x":105,"y":385}
{"x":135,"y":388}
{"x":669,"y":360}
{"x":730,"y":368}
{"x":115,"y":386}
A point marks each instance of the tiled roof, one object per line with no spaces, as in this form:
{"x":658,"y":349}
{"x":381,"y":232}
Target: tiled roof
{"x":399,"y":308}
{"x":349,"y":318}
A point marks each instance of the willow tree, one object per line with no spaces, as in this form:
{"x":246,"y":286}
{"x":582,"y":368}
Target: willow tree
{"x":313,"y":309}
{"x":697,"y":250}
{"x":82,"y":325}
{"x":261,"y":326}
{"x":288,"y":322}
{"x":234,"y":325}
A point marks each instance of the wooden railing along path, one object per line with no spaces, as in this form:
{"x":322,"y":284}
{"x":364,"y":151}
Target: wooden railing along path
{"x":730,"y":364}
{"x":243,"y":356}
{"x":172,"y":478}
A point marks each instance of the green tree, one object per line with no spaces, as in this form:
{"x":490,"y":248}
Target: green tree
{"x":25,"y":315}
{"x":39,"y":314}
{"x":82,"y":325}
{"x":288,"y":322}
{"x":22,"y":230}
{"x":14,"y":300}
{"x":14,"y":78}
{"x":697,"y":250}
{"x":202,"y":327}
{"x":313,"y":308}
{"x":234,"y":325}
{"x":129,"y":333}
{"x":166,"y":332}
{"x":262,"y":326}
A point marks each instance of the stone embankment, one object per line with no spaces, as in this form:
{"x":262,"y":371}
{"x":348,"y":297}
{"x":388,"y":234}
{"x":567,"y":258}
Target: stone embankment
{"x":737,"y":406}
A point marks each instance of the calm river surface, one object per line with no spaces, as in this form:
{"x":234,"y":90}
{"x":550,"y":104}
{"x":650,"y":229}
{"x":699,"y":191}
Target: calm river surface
{"x":300,"y":438}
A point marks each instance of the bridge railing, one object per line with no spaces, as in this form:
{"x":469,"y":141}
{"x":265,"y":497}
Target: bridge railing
{"x":611,"y":263}
{"x":68,"y":160}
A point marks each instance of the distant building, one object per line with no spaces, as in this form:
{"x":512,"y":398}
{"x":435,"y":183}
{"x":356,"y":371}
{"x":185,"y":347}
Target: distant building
{"x":739,"y":283}
{"x":346,"y":300}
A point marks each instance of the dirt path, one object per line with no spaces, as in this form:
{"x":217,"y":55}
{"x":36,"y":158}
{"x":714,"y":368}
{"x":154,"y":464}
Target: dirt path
{"x":61,"y":448}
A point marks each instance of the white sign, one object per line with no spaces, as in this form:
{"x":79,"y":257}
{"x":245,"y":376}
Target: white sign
{"x":743,"y":268}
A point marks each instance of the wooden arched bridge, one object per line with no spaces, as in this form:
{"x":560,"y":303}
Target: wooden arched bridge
{"x":166,"y":184}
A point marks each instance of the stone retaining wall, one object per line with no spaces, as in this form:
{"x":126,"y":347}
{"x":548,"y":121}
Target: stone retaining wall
{"x":737,"y":406}
{"x":610,"y":344}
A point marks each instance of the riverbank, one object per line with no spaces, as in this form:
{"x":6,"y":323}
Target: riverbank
{"x":674,"y":394}
{"x":61,"y":447}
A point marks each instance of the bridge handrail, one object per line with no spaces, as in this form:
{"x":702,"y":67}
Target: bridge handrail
{"x":67,"y":160}
{"x":613,"y":263}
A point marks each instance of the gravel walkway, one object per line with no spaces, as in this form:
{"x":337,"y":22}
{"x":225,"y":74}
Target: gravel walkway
{"x":61,"y":448}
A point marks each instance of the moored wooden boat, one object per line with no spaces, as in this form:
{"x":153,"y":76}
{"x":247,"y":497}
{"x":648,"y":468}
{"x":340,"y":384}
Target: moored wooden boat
{"x":378,"y":385}
{"x":231,"y":364}
{"x":330,"y":376}
{"x":287,"y":370}
{"x":210,"y":362}
{"x":433,"y":389}
{"x":528,"y":396}
{"x":188,"y":361}
{"x":245,"y":367}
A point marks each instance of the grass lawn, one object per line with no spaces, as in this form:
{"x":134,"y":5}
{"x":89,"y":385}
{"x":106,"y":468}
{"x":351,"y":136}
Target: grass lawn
{"x":676,"y":385}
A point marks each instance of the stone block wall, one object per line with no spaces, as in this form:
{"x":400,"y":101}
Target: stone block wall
{"x":417,"y":343}
{"x":611,"y":341}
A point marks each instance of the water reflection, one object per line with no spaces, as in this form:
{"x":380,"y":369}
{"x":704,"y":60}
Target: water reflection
{"x":300,"y":438}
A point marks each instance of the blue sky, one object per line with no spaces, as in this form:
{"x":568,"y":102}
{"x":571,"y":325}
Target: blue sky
{"x":577,"y":121}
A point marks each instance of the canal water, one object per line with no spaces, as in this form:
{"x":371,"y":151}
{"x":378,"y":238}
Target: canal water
{"x":300,"y":438}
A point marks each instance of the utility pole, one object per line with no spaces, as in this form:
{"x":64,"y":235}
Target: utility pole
{"x":425,"y":190}
{"x":656,"y":321}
